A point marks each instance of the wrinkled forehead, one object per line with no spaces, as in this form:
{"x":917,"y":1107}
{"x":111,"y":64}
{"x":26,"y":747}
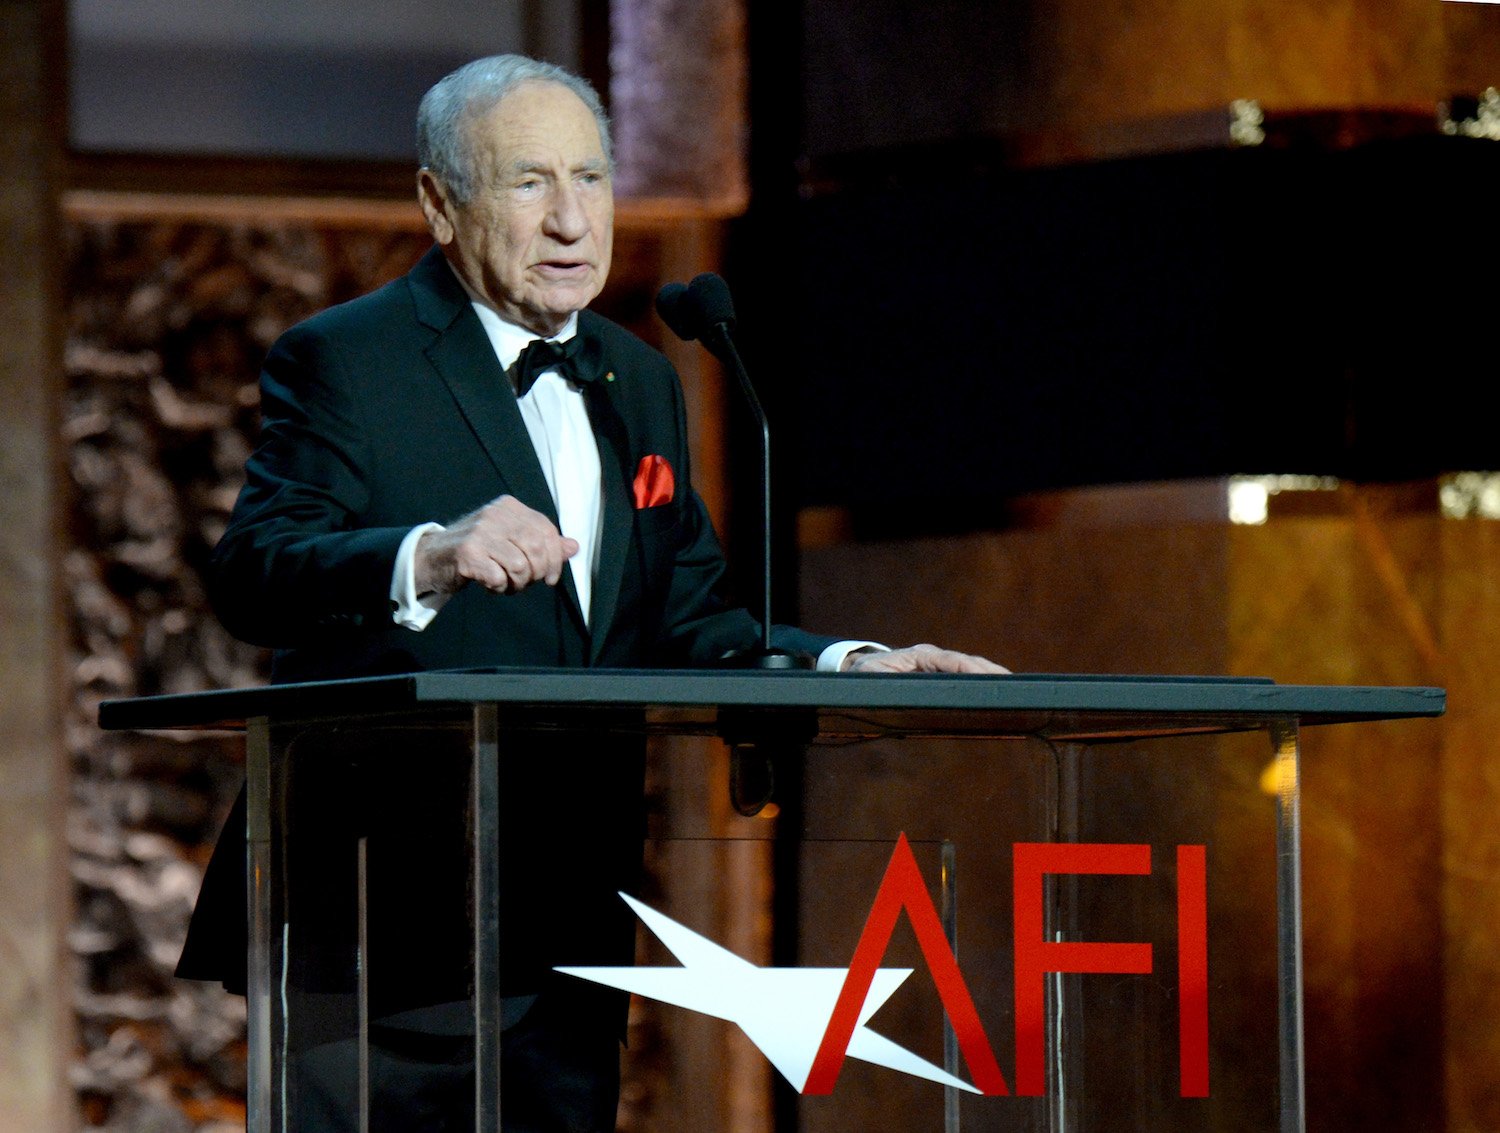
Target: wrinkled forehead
{"x":537,"y":124}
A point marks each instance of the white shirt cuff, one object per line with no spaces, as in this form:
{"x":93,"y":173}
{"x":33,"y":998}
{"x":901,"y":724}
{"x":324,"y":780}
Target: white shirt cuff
{"x":408,"y":609}
{"x":831,"y":660}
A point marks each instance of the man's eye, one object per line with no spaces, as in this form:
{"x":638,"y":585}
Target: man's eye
{"x":528,"y":188}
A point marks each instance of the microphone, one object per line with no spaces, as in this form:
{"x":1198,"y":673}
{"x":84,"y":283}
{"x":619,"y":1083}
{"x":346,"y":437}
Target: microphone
{"x":703,"y":309}
{"x":711,"y":302}
{"x":672,"y":305}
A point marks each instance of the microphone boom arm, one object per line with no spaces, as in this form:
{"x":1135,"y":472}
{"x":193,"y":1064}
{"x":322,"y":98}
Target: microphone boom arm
{"x":703,"y":310}
{"x":722,"y":345}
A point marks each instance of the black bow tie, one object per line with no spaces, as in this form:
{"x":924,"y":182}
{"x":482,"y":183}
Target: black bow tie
{"x":575,"y":360}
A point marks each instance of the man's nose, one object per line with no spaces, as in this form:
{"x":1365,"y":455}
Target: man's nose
{"x":567,"y":218}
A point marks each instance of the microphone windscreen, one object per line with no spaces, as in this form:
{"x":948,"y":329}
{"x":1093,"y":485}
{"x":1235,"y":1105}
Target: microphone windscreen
{"x":710,"y":297}
{"x":678,"y":311}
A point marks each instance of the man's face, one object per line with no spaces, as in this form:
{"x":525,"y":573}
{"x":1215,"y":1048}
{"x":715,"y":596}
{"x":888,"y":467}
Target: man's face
{"x":535,"y":236}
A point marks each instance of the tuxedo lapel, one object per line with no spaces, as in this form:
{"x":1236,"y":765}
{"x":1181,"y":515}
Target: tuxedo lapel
{"x":619,"y":515}
{"x":462,"y":355}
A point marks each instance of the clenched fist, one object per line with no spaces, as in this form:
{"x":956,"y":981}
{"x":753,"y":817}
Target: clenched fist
{"x":505,"y":546}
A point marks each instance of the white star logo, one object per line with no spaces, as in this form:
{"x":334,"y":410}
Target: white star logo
{"x":783,"y":1011}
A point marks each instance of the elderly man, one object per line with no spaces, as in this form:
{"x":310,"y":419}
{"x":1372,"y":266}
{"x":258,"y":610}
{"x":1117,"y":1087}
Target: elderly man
{"x":467,"y":467}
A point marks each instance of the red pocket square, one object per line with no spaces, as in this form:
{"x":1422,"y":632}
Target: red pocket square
{"x":654,"y":483}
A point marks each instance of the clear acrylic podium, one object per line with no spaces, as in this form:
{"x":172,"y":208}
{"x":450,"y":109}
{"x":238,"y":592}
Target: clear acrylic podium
{"x":1020,"y":903}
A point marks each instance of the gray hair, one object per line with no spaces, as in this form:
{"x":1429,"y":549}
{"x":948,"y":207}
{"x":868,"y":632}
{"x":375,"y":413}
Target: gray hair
{"x":474,"y":89}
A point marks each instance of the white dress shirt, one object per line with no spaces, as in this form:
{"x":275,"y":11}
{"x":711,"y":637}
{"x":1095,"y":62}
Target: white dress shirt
{"x":558,"y":423}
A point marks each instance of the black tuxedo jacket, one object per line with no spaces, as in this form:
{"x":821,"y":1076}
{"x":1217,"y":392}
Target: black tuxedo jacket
{"x":390,"y":411}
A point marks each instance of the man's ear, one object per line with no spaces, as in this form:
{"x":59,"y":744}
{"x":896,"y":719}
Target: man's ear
{"x":432,"y":195}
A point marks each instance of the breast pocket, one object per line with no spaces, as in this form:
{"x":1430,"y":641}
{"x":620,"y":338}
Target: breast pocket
{"x":660,"y":533}
{"x":655,"y":522}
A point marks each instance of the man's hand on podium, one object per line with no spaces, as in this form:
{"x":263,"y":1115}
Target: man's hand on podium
{"x":920,"y":659}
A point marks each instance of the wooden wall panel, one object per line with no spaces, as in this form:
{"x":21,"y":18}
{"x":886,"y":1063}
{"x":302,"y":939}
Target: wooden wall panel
{"x":1350,"y":596}
{"x":1468,"y":805}
{"x":1400,"y":49}
{"x":1133,"y":60}
{"x":1293,"y":53}
{"x":1067,"y":79}
{"x":1471,"y":34}
{"x":1122,"y":599}
{"x":35,"y":1034}
{"x":1361,"y":586}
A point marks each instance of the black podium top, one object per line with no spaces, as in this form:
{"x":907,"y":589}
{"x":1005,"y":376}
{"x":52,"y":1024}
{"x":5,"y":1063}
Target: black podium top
{"x":828,"y":706}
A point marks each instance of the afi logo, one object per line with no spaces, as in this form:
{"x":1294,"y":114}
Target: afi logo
{"x":808,"y":1020}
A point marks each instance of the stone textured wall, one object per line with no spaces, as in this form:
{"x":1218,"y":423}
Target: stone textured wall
{"x":172,"y":305}
{"x":167,"y":324}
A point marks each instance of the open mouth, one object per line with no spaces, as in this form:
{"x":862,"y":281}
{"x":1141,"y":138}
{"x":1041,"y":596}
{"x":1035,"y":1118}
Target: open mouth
{"x":563,"y":268}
